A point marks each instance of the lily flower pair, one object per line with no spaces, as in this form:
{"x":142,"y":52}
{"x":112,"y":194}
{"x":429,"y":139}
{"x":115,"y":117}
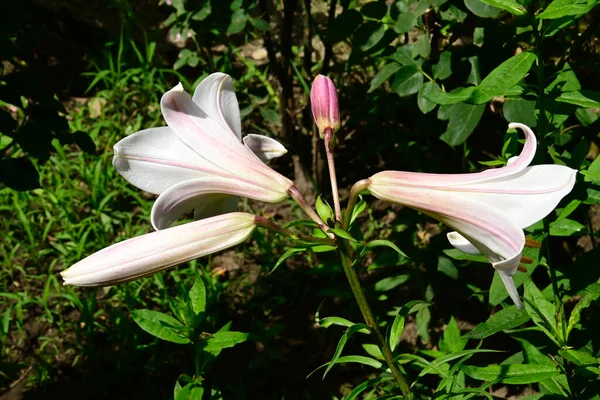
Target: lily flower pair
{"x":199,"y":163}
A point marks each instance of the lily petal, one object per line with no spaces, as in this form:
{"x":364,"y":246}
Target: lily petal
{"x":264,"y":147}
{"x":444,"y":181}
{"x":216,"y":97}
{"x":491,"y":231}
{"x":528,"y":196}
{"x":209,"y":139}
{"x":155,"y":159}
{"x":186,"y":196}
{"x":156,"y":251}
{"x":461,"y":243}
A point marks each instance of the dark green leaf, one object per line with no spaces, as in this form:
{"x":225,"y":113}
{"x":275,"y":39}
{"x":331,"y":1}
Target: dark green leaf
{"x":565,"y":81}
{"x":456,"y":96}
{"x":202,"y":13}
{"x":520,"y":110}
{"x":368,"y":35}
{"x":374,"y":9}
{"x":344,"y":25}
{"x":463,"y":121}
{"x":443,"y":68}
{"x":590,"y":293}
{"x":405,"y":22}
{"x":482,"y":9}
{"x":260,"y":24}
{"x":391,"y":282}
{"x":566,"y":227}
{"x":407,"y":80}
{"x":422,"y":47}
{"x":238,"y":22}
{"x":383,"y":75}
{"x":426,"y":105}
{"x":160,"y":325}
{"x":197,"y":295}
{"x":562,"y":8}
{"x":503,"y":77}
{"x":512,"y":6}
{"x":452,"y":341}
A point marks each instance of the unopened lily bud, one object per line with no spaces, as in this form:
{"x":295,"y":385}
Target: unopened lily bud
{"x":324,"y":104}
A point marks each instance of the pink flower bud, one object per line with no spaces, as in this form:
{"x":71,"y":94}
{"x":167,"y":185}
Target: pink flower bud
{"x":324,"y":104}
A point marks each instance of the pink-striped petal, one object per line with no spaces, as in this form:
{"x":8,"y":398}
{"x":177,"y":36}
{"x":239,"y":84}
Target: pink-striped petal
{"x":156,"y":251}
{"x":216,"y":97}
{"x":210,"y":141}
{"x":189,"y":195}
{"x":264,"y":147}
{"x":155,"y":159}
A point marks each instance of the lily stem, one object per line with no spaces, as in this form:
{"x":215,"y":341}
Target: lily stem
{"x":304,"y":205}
{"x":359,"y":295}
{"x":332,"y":176}
{"x":272,"y":226}
{"x":357,"y":188}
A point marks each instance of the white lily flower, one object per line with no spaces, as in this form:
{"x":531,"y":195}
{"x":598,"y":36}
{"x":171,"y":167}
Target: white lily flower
{"x":202,"y":145}
{"x":153,"y":252}
{"x":488,"y":209}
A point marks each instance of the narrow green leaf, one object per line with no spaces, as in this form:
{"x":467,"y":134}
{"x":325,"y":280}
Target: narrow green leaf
{"x":517,"y":374}
{"x":581,"y":98}
{"x":343,"y":234}
{"x":342,"y":342}
{"x":578,"y":357}
{"x":288,"y":253}
{"x":391,"y":282}
{"x":352,"y":359}
{"x":221,"y":340}
{"x":541,"y":311}
{"x":589,"y":294}
{"x":398,"y":324}
{"x":383,"y":243}
{"x":160,"y":325}
{"x":508,"y":318}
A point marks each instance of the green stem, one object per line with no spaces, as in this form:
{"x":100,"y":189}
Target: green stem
{"x":304,"y":205}
{"x":332,"y":175}
{"x":359,"y":295}
{"x":357,"y":188}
